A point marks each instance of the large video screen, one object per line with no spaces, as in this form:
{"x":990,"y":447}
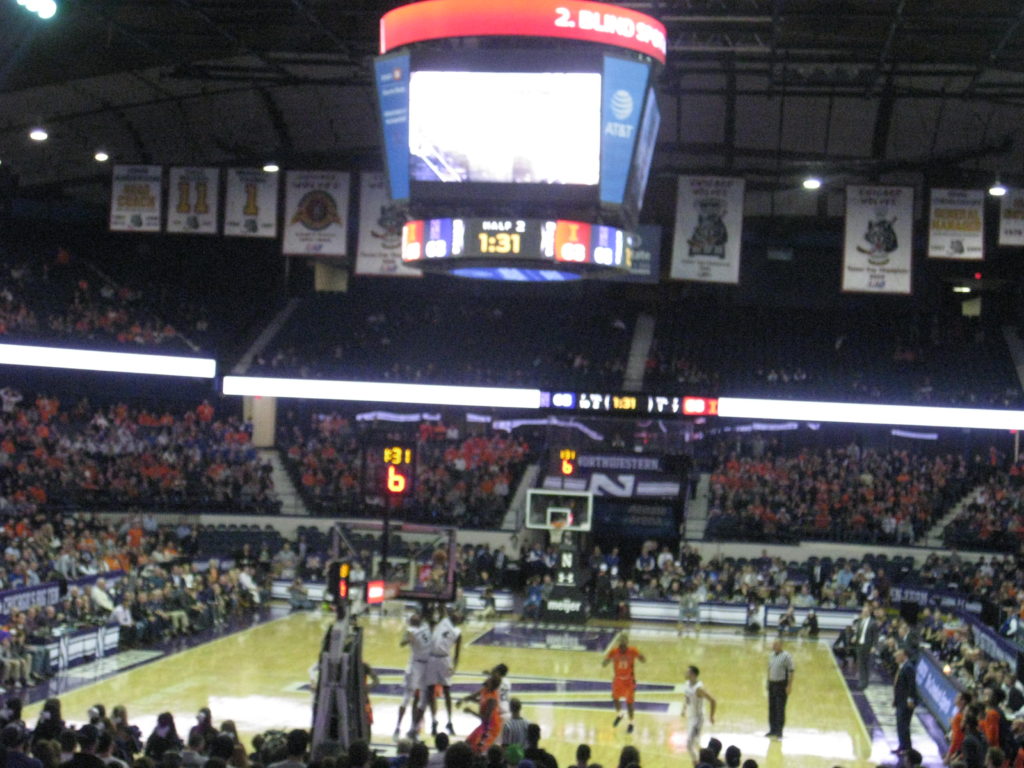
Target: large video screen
{"x":505,"y":127}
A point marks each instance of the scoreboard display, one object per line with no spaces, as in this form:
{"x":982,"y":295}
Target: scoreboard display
{"x":630,"y":403}
{"x":450,"y":243}
{"x":389,"y":470}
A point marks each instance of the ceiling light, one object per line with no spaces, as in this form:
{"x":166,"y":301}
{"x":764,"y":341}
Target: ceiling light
{"x":961,"y":289}
{"x":812,"y":183}
{"x":38,"y":134}
{"x":101,"y":156}
{"x":997,"y":189}
{"x":271,"y":168}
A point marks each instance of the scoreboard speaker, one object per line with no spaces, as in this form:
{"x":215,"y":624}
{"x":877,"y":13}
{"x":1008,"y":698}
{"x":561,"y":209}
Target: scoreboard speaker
{"x":909,"y":611}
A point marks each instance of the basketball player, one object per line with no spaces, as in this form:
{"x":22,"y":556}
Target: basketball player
{"x":445,"y":645}
{"x":485,"y":734}
{"x":417,"y":637}
{"x":693,"y":706}
{"x":624,"y":656}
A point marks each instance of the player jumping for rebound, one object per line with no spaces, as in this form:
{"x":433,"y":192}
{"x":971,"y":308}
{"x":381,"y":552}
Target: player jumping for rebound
{"x":693,"y":706}
{"x":624,"y":657}
{"x":485,"y":734}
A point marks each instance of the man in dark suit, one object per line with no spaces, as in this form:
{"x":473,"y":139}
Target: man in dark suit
{"x":865,"y":636}
{"x":904,"y":699}
{"x":909,"y":639}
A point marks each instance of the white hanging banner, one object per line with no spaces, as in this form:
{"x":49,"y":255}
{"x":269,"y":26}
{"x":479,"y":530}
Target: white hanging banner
{"x":708,"y":229}
{"x":1011,"y":218}
{"x":956,"y":224}
{"x":316,"y":213}
{"x":380,"y":231}
{"x":135,"y":198}
{"x":193,"y":201}
{"x":877,"y":247}
{"x":250,"y":203}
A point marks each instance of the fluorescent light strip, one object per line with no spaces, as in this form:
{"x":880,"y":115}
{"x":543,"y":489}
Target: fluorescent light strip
{"x":110,"y":362}
{"x":382,"y":392}
{"x":866,"y":413}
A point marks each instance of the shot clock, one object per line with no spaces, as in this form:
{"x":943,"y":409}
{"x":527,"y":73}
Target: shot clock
{"x":390,"y":470}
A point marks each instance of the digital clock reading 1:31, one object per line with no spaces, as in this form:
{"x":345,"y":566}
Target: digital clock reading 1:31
{"x":397,"y":455}
{"x":499,"y":242}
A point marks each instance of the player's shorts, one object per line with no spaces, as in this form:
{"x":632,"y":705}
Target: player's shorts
{"x":438,"y":671}
{"x":691,"y":613}
{"x":417,"y":671}
{"x":623,"y":689}
{"x":693,"y":732}
{"x":481,"y":739}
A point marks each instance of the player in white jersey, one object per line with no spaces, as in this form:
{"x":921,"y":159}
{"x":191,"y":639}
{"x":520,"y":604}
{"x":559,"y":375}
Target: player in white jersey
{"x":417,"y":637}
{"x":504,"y":692}
{"x":445,"y":645}
{"x":693,"y":707}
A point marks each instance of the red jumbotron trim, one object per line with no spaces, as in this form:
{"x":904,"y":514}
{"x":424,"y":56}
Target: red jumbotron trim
{"x":573,"y":19}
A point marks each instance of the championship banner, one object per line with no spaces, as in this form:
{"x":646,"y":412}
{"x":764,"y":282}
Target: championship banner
{"x":316,"y":213}
{"x":877,"y":245}
{"x":250,"y":204}
{"x":135,"y":198}
{"x":380,"y":231}
{"x":193,"y":201}
{"x":709,"y":226}
{"x":956,"y":224}
{"x":1011,"y":218}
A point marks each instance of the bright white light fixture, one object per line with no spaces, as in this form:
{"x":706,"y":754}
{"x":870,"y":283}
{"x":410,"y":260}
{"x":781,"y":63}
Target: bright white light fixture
{"x":38,"y":134}
{"x":961,"y":289}
{"x":382,"y":392}
{"x":101,"y":156}
{"x":812,"y":183}
{"x":997,"y":189}
{"x":866,"y":413}
{"x":109,"y":362}
{"x":271,"y":168}
{"x":46,"y":9}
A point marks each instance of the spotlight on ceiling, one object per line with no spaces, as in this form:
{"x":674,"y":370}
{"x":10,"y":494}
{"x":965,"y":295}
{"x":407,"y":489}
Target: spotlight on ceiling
{"x":101,"y":156}
{"x":812,"y":183}
{"x":44,"y":9}
{"x":997,"y":189}
{"x":271,"y":168}
{"x":38,"y":134}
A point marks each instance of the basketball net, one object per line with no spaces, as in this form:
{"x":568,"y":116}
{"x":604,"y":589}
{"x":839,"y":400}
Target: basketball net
{"x":557,"y":529}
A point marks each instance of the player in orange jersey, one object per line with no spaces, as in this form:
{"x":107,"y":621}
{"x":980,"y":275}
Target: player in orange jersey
{"x":624,"y":657}
{"x":490,"y":716}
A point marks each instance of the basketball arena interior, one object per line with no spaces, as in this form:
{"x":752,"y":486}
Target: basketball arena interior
{"x":521,"y":384}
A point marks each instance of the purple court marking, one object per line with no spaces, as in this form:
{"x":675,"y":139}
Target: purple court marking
{"x":554,"y":686}
{"x":520,"y":636}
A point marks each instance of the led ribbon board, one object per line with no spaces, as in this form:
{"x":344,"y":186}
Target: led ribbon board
{"x":566,"y":19}
{"x":383,"y":392}
{"x":107,"y":362}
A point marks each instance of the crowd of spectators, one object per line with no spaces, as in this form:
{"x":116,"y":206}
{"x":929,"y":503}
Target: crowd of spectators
{"x":462,"y":338}
{"x":840,"y":494}
{"x":61,"y":298}
{"x":992,"y":518}
{"x":462,"y":479}
{"x":76,"y":456}
{"x":855,"y":356}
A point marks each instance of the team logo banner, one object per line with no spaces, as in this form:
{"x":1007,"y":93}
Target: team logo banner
{"x":380,"y":231}
{"x":709,"y":226}
{"x":316,"y":213}
{"x":250,"y":203}
{"x":135,"y":198}
{"x":193,"y":200}
{"x":1011,"y":218}
{"x":877,"y":245}
{"x":956,"y":224}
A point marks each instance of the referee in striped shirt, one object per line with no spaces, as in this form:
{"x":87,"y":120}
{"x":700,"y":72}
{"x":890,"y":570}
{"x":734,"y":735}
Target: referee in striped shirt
{"x":780,"y":685}
{"x":514,"y":729}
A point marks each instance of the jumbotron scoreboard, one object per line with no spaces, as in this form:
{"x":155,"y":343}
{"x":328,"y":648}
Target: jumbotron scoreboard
{"x":519,"y":135}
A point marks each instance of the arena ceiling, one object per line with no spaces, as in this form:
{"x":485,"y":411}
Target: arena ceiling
{"x":923,"y":91}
